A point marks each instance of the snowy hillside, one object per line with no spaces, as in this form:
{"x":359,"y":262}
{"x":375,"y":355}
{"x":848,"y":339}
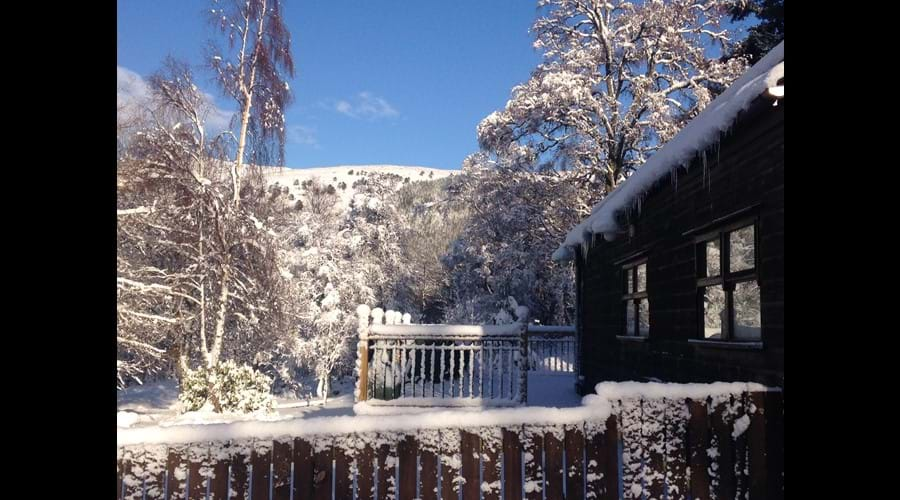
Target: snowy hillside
{"x":293,"y":178}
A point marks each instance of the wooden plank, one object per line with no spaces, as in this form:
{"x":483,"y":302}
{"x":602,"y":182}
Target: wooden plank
{"x":470,"y":449}
{"x":365,"y":478}
{"x":633,"y":453}
{"x":261,"y":459}
{"x":322,"y":465}
{"x":343,"y":473}
{"x":491,"y":463}
{"x":120,"y":471}
{"x":429,"y":449}
{"x":407,"y":451}
{"x":553,"y":462}
{"x":676,"y":422}
{"x":176,"y":472}
{"x":303,"y":469}
{"x":221,"y":460}
{"x":198,"y":467}
{"x":756,"y":436}
{"x":387,"y":470}
{"x":653,"y":414}
{"x":154,"y":465}
{"x":534,"y":469}
{"x":774,"y":445}
{"x":603,"y":459}
{"x":450,"y":461}
{"x":512,"y":464}
{"x":239,"y":484}
{"x":132,"y":486}
{"x":282,"y":454}
{"x":574,"y":475}
{"x":723,"y":478}
{"x":698,"y":443}
{"x":740,"y":425}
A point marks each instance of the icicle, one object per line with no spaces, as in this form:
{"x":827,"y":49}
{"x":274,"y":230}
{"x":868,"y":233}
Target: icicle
{"x":705,"y":171}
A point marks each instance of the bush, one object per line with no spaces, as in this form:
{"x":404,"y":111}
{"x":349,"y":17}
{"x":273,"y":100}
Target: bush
{"x":239,"y":388}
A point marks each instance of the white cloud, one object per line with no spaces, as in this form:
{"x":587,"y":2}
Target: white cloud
{"x":133,"y":94}
{"x":299,"y":134}
{"x":366,"y":106}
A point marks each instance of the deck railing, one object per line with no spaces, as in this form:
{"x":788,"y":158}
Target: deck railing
{"x":551,"y":348}
{"x":440,"y":365}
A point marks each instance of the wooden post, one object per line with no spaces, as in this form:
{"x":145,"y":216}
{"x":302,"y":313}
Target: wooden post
{"x":523,"y":355}
{"x":362,"y":359}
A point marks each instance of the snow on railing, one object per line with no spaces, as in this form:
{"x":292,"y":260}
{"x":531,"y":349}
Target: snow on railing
{"x":401,"y":364}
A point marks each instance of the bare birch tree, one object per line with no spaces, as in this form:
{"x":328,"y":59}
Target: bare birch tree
{"x":196,"y":274}
{"x":251,"y":66}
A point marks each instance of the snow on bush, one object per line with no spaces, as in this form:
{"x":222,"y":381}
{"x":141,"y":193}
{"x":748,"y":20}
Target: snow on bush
{"x":237,"y":387}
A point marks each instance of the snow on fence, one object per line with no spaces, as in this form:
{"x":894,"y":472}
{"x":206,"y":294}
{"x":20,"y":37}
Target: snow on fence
{"x":401,"y":364}
{"x":630,"y":441}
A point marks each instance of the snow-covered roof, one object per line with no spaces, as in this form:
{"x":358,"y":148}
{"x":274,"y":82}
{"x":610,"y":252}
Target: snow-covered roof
{"x":696,"y":136}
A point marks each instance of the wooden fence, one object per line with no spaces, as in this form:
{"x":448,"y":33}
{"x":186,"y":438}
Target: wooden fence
{"x":730,"y":447}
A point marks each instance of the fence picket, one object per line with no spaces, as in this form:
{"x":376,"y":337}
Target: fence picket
{"x":574,"y":474}
{"x":303,"y":469}
{"x":553,"y":462}
{"x":282,"y":453}
{"x":698,"y":444}
{"x":491,"y":463}
{"x":534,"y":459}
{"x":512,"y":463}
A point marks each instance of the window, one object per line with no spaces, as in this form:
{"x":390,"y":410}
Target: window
{"x":727,"y":284}
{"x":635,"y":300}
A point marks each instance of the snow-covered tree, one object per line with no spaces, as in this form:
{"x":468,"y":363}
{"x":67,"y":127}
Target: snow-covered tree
{"x":428,"y":217}
{"x":517,"y":219}
{"x":197,"y":279}
{"x":251,"y":67}
{"x":618,"y":79}
{"x":334,"y":261}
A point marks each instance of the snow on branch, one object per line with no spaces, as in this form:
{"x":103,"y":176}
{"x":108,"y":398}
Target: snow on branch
{"x":696,"y":136}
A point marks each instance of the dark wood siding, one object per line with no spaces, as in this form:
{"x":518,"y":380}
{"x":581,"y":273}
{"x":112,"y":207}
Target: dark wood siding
{"x":746,"y":169}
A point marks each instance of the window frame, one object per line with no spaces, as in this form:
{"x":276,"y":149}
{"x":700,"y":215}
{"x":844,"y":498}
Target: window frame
{"x":726,"y":279}
{"x":632,"y":298}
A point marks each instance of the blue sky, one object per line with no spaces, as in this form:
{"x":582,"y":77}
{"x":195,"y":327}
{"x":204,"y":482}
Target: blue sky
{"x":377,"y":81}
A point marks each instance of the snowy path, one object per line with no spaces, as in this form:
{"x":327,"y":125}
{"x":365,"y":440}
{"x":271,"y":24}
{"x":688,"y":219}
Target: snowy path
{"x":157,"y":403}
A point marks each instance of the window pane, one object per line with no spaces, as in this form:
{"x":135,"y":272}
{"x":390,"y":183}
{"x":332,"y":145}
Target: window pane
{"x":629,"y":280}
{"x":713,"y":267}
{"x":742,"y":251}
{"x":713,"y":312}
{"x":747,"y":319}
{"x":629,"y":318}
{"x":641,"y":277}
{"x":644,"y":317}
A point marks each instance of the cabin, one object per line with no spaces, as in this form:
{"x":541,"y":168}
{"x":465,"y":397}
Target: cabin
{"x":680,"y":270}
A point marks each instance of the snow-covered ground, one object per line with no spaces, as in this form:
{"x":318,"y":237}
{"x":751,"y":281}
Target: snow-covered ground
{"x":348,"y":174}
{"x":156,"y":403}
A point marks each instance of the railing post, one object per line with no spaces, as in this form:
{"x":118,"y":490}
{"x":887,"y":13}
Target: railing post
{"x":522,"y":319}
{"x":362,"y":359}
